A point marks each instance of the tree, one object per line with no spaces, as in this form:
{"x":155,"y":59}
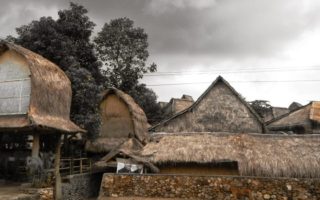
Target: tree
{"x":66,"y":42}
{"x":147,"y":99}
{"x":123,"y":49}
{"x":262,"y":107}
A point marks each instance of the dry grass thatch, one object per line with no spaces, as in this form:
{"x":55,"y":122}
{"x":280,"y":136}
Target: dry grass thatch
{"x":140,"y":125}
{"x":103,"y":145}
{"x":301,"y":116}
{"x":191,"y":108}
{"x":51,"y":94}
{"x":140,"y":122}
{"x":256,"y":154}
{"x":129,"y":148}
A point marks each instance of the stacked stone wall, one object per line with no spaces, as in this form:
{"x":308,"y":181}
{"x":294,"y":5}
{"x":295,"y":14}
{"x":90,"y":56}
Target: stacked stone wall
{"x":208,"y":187}
{"x":81,"y":186}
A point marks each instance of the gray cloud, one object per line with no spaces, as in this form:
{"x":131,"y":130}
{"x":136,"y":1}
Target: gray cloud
{"x":217,"y":28}
{"x":188,"y":34}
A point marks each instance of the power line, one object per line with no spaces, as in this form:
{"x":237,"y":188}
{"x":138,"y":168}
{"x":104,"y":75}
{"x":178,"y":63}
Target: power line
{"x":244,"y":68}
{"x":191,"y":83}
{"x":185,"y":73}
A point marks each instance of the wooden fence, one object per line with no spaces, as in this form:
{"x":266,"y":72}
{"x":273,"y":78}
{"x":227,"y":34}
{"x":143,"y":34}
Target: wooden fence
{"x":70,"y":166}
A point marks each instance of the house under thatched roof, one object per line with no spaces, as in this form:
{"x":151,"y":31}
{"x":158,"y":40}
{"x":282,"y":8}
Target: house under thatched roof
{"x":219,"y":109}
{"x":294,"y":105}
{"x":34,"y":92}
{"x":121,"y":119}
{"x":275,"y":112}
{"x":177,"y":105}
{"x":254,"y":154}
{"x":303,"y":120}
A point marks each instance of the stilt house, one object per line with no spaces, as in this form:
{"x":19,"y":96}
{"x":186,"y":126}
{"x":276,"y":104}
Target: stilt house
{"x":35,"y":99}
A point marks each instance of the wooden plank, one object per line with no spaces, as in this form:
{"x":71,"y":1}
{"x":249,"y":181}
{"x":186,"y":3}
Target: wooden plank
{"x":315,"y":111}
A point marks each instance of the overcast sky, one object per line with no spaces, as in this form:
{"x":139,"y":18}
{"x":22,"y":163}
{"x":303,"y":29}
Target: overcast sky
{"x":266,"y":49}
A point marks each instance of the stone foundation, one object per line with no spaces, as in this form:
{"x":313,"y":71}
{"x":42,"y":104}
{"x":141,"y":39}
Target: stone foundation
{"x":81,"y":186}
{"x":208,"y":187}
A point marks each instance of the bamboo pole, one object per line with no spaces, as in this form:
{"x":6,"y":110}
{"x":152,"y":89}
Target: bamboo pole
{"x":57,"y":187}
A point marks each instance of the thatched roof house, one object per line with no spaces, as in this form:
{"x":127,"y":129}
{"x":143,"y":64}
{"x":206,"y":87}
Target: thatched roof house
{"x":303,"y":120}
{"x":279,"y":156}
{"x":35,"y":98}
{"x":34,"y":93}
{"x":177,"y":105}
{"x":219,"y":109}
{"x":275,"y":112}
{"x":121,"y":119}
{"x":294,"y":105}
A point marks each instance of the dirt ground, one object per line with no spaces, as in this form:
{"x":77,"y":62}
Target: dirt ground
{"x":139,"y":198}
{"x":12,"y":191}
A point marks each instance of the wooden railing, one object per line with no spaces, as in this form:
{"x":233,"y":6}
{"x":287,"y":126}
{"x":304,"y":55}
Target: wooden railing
{"x":70,"y":166}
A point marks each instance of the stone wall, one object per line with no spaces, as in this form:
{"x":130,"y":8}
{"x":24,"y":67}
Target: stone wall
{"x":81,"y":186}
{"x":208,"y":187}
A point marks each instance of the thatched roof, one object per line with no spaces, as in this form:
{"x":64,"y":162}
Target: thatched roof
{"x":130,"y":148}
{"x":50,"y":97}
{"x":300,"y":117}
{"x":219,"y":79}
{"x":103,"y":145}
{"x":139,"y":119}
{"x":256,"y":154}
{"x":176,"y":105}
{"x":138,"y":116}
{"x":294,"y":105}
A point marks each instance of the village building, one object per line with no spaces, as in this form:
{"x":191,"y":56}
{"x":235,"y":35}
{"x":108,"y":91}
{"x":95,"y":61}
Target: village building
{"x":176,"y":105}
{"x":274,"y":112}
{"x":219,"y":109}
{"x":303,"y":120}
{"x":121,"y":119}
{"x":206,"y":154}
{"x":294,"y":105}
{"x":35,"y":99}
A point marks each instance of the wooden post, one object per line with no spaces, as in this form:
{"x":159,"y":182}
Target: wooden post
{"x":72,"y":165}
{"x":35,"y":145}
{"x":80,"y":165}
{"x":57,"y":187}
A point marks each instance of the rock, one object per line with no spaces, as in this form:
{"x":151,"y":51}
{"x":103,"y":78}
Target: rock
{"x":266,"y":196}
{"x":289,"y":187}
{"x":114,"y":195}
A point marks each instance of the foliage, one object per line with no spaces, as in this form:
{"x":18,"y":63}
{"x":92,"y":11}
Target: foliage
{"x":66,"y":42}
{"x":262,"y":107}
{"x":123,"y":49}
{"x":147,"y":99}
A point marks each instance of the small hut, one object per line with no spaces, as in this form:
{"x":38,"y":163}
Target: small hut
{"x":121,"y":119}
{"x":275,"y":112}
{"x":35,"y":98}
{"x":176,"y":105}
{"x":303,"y":120}
{"x":235,"y":154}
{"x":219,"y":109}
{"x":294,"y":105}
